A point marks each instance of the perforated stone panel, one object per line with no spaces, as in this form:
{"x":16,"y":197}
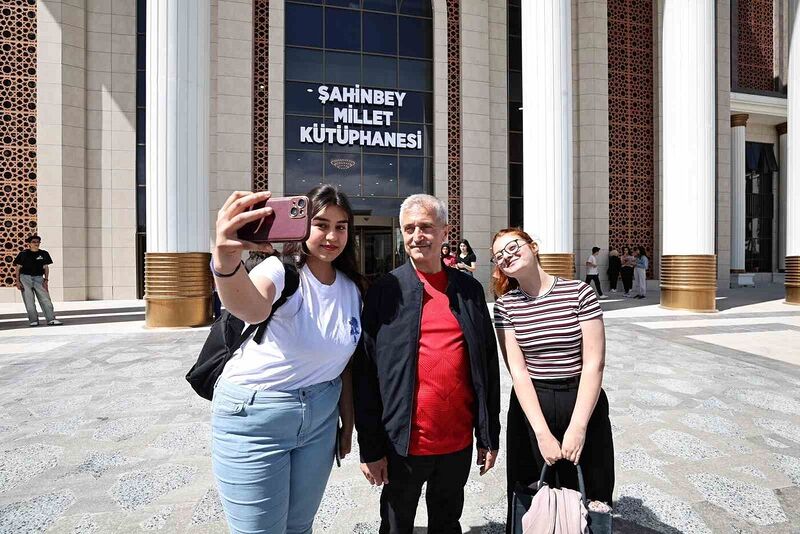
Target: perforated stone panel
{"x":454,"y":118}
{"x":755,"y":42}
{"x":17,"y":131}
{"x":630,"y":117}
{"x":260,"y":95}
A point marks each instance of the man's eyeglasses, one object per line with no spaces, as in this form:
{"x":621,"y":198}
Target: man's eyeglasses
{"x":512,"y":247}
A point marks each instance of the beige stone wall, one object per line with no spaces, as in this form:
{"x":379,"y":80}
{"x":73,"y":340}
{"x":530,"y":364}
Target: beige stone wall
{"x":276,"y":98}
{"x":498,"y":94}
{"x":61,"y":153}
{"x":111,"y":149}
{"x":723,"y":154}
{"x":440,"y":134}
{"x":475,"y":127}
{"x":232,"y":97}
{"x":590,"y":129}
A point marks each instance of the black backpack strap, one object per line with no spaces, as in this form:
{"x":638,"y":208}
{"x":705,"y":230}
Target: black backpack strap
{"x":291,"y":283}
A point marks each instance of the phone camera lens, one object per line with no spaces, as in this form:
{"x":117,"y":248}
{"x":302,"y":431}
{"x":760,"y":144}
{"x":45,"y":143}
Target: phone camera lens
{"x":301,"y":203}
{"x":294,"y":211}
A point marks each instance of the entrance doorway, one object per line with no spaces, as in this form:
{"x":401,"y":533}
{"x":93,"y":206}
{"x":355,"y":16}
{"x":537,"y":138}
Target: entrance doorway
{"x":379,"y":246}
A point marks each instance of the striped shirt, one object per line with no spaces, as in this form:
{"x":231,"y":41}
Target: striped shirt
{"x":547,"y":328}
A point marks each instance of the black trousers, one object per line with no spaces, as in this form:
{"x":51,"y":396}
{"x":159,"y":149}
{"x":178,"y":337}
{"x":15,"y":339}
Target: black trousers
{"x":627,"y":278}
{"x":446,"y":475}
{"x":524,"y":461}
{"x":613,"y":276}
{"x":596,"y":279}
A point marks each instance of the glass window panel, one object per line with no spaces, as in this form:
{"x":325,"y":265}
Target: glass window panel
{"x":427,"y":138}
{"x":344,"y":3}
{"x":344,"y":171}
{"x":303,"y":64}
{"x":515,"y":116}
{"x":302,"y":99}
{"x":380,"y":71}
{"x":141,"y":209}
{"x":515,"y":212}
{"x":415,"y":37}
{"x":141,"y":125}
{"x":515,"y":53}
{"x":515,"y":180}
{"x":514,"y":20}
{"x":380,"y":176}
{"x":416,"y":75}
{"x":416,"y":7}
{"x":417,"y":107}
{"x":342,"y":68}
{"x":382,"y":149}
{"x":414,"y":175}
{"x":515,"y":147}
{"x":141,"y":16}
{"x":342,"y":29}
{"x":388,"y":6}
{"x":141,"y":86}
{"x":380,"y":33}
{"x":303,"y":25}
{"x":303,"y":171}
{"x":141,"y":49}
{"x":141,"y":164}
{"x":292,"y":132}
{"x":515,"y":83}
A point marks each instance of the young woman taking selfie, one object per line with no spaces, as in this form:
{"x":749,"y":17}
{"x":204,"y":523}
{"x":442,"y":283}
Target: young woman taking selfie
{"x":552,"y":336}
{"x":277,"y":404}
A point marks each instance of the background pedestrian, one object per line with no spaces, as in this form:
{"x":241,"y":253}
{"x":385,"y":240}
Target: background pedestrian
{"x":31,"y":276}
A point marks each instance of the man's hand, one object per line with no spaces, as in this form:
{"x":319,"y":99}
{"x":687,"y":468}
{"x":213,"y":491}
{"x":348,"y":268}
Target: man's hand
{"x":345,"y":443}
{"x":44,"y":285}
{"x":486,"y":459}
{"x":376,"y":472}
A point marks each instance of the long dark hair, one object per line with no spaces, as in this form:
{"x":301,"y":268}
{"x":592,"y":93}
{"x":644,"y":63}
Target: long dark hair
{"x":447,"y":246}
{"x":320,"y":198}
{"x":469,"y":248}
{"x":642,"y":251}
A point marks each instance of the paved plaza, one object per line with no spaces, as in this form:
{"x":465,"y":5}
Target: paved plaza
{"x":99,"y":432}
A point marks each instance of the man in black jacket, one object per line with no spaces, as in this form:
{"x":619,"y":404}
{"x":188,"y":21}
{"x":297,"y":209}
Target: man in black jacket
{"x":425,"y":379}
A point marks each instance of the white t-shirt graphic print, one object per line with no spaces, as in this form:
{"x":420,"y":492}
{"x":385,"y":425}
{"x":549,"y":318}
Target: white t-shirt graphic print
{"x":310,"y":338}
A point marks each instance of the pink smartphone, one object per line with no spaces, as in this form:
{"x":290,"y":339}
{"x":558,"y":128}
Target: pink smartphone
{"x":289,"y":221}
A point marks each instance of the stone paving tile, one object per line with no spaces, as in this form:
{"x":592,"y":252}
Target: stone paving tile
{"x":704,"y":442}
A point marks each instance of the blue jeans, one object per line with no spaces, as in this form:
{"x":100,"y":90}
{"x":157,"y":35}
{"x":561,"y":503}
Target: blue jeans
{"x":35,"y":285}
{"x":272,"y":453}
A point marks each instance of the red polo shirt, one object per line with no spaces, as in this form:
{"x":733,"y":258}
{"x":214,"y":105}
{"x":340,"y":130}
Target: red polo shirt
{"x":444,"y":401}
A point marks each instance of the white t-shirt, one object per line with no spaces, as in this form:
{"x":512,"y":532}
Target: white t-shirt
{"x":309,"y":339}
{"x":593,"y":268}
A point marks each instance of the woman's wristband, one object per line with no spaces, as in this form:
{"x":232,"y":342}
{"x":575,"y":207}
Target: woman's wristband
{"x":224,"y":275}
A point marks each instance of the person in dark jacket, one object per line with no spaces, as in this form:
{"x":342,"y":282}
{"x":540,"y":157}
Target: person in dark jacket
{"x":614,"y":268}
{"x":426,"y":378}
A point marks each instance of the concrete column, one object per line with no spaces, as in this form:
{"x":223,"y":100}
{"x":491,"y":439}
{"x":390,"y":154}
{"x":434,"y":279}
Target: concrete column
{"x":547,"y":122}
{"x":688,"y":271}
{"x":177,"y":284}
{"x":782,"y":175}
{"x":738,"y":171}
{"x":793,"y":176}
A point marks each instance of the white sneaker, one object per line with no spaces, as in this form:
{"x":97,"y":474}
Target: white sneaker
{"x":613,"y":290}
{"x":35,"y":323}
{"x":55,"y":322}
{"x":626,"y":295}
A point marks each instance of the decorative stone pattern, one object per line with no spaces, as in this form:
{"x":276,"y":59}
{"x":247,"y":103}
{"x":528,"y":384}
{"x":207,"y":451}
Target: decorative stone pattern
{"x":454,"y":118}
{"x":24,"y":463}
{"x":139,"y":488}
{"x":748,"y":502}
{"x":683,"y":445}
{"x":631,"y":125}
{"x":36,"y":514}
{"x":650,"y":507}
{"x":18,"y":196}
{"x":754,"y":56}
{"x":260,"y":95}
{"x":209,"y":509}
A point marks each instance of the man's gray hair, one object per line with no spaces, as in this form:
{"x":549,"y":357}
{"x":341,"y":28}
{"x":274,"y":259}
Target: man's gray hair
{"x":432,"y":204}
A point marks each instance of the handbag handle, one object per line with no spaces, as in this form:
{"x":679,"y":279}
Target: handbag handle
{"x":581,"y":485}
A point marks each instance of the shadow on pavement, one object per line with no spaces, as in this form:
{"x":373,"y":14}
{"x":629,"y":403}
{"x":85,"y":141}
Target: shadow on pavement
{"x":64,"y":318}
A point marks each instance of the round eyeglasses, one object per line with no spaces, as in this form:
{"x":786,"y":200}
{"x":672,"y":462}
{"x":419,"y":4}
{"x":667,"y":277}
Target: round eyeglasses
{"x":511,"y":248}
